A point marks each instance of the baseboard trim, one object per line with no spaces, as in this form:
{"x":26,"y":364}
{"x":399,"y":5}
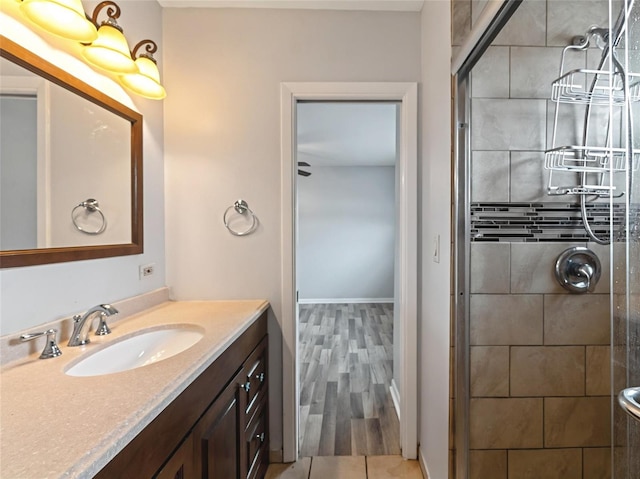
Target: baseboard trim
{"x":395,"y":397}
{"x":423,"y":464}
{"x":345,"y":300}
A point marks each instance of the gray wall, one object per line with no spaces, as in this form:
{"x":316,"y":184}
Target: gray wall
{"x":18,"y":173}
{"x":346,"y":234}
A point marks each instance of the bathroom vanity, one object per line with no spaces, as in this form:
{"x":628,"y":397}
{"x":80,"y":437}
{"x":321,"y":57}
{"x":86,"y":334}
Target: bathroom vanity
{"x":216,"y":428}
{"x":200,"y":413}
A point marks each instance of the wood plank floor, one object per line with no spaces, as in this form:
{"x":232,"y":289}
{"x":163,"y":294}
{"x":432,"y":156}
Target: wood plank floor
{"x":346,"y":366}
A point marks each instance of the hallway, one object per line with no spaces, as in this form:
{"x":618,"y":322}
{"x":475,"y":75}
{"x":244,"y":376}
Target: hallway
{"x":346,"y":366}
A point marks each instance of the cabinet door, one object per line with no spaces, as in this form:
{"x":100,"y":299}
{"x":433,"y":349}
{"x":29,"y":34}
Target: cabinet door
{"x":219,"y":436}
{"x":180,"y":465}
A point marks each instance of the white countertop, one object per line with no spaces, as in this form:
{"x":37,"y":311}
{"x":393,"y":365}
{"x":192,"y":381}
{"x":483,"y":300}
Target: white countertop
{"x":53,"y":425}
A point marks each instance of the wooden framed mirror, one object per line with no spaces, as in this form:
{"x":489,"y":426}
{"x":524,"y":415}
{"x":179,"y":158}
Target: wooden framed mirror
{"x":72,"y":177}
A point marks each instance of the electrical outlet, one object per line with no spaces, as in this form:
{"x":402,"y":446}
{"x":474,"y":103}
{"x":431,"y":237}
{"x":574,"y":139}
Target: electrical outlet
{"x":147,"y":270}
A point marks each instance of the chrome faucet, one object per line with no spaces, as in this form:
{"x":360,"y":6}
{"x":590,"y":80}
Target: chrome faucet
{"x":81,"y":324}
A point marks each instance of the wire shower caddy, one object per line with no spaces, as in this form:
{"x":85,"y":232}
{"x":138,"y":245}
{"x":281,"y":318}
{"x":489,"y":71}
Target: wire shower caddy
{"x":594,"y":164}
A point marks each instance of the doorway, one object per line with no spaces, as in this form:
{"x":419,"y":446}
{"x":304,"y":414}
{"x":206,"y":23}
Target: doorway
{"x":346,"y":154}
{"x":25,"y":99}
{"x":406,"y":291}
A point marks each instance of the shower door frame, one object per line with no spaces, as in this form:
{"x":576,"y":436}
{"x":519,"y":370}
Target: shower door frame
{"x":625,"y":430}
{"x":461,"y":255}
{"x":478,"y":40}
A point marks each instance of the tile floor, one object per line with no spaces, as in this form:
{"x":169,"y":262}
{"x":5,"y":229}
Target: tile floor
{"x":347,"y":467}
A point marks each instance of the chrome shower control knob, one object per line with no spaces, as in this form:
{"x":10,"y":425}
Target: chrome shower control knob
{"x":578,"y":269}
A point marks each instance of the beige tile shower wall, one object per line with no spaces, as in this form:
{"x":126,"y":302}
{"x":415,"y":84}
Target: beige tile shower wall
{"x":512,"y":116}
{"x":539,"y":368}
{"x":539,"y":356}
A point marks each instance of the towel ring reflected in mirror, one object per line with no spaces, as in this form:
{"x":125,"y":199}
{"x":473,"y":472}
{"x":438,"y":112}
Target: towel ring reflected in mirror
{"x":90,"y":206}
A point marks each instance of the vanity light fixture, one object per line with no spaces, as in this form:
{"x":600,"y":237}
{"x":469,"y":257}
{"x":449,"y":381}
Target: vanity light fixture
{"x":146,"y":82}
{"x":110,"y":51}
{"x":104,"y":46}
{"x":64,"y":18}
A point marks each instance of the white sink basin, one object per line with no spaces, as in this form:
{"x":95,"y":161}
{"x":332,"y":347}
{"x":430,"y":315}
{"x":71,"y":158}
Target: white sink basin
{"x":139,"y":349}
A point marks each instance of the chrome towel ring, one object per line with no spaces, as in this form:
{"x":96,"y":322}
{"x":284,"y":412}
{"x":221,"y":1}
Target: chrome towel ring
{"x":91,"y":206}
{"x":242,"y":208}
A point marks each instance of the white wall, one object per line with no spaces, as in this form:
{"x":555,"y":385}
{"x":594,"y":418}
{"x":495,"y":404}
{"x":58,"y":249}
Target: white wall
{"x":37,"y":294}
{"x":436,"y":220}
{"x":223,"y":74}
{"x":98,"y":166}
{"x":346,"y":233}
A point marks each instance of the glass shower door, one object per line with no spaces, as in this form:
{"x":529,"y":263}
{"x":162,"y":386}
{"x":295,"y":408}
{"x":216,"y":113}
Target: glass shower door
{"x":536,"y":387}
{"x":626,"y":273}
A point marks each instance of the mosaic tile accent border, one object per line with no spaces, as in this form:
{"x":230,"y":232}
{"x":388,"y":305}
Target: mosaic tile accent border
{"x":540,"y":222}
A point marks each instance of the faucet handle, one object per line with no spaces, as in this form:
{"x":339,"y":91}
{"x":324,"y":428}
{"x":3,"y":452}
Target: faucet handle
{"x":103,"y":328}
{"x":586,"y":271}
{"x":51,"y":349}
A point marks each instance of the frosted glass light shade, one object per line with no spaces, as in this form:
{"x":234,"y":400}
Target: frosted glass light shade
{"x":146,"y":83}
{"x":110,"y":51}
{"x":65,"y":18}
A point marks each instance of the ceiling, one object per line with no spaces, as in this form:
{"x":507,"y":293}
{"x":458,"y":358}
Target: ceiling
{"x":377,"y":5}
{"x":346,"y":134}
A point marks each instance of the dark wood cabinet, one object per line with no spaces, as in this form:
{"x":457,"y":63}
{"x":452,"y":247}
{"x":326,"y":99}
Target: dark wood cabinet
{"x":254,"y":450}
{"x":219,"y":435}
{"x":217,"y":428}
{"x":180,"y":465}
{"x":256,"y":438}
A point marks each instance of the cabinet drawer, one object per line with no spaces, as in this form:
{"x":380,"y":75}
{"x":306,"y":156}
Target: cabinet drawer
{"x":256,"y":377}
{"x":257,"y":438}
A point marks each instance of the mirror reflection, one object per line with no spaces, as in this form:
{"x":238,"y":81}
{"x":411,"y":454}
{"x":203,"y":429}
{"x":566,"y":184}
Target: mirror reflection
{"x":70,"y":166}
{"x":65,"y":166}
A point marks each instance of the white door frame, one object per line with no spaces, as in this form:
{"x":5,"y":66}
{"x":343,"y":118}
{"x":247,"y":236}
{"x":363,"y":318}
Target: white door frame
{"x":407,"y":95}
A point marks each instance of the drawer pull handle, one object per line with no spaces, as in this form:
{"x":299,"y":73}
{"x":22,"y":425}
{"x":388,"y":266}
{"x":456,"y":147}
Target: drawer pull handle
{"x":260,"y":437}
{"x":247,"y":386}
{"x":260,"y":377}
